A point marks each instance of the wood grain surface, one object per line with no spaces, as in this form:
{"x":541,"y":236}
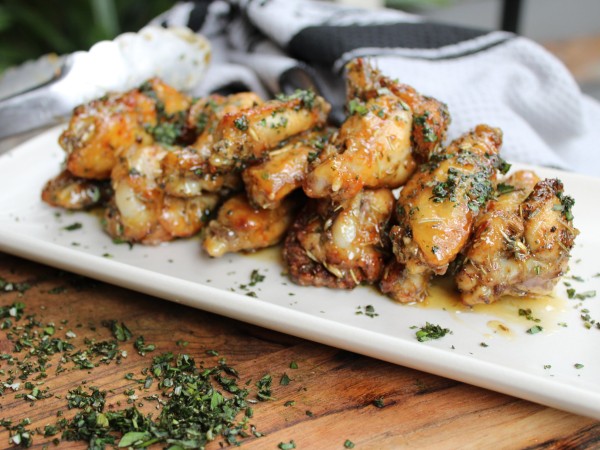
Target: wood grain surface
{"x":419,"y":410}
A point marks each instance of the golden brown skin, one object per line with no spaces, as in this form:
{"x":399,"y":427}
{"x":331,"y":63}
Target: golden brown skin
{"x":241,"y":227}
{"x":521,"y":244}
{"x":205,"y":113}
{"x":185,"y":174}
{"x":185,"y":170}
{"x":71,"y":192}
{"x":140,"y":210}
{"x":99,"y":130}
{"x":372,"y":150}
{"x":247,"y":136}
{"x":430,"y":116}
{"x":438,"y":206}
{"x":340,"y":246}
{"x":270,"y":181}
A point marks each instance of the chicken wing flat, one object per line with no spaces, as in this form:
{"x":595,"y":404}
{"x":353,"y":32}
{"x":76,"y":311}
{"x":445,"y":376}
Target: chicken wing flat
{"x":340,"y":245}
{"x":99,"y":130}
{"x":246,"y":136}
{"x":71,"y":192}
{"x":430,"y":116}
{"x":438,"y":206}
{"x":372,"y":150}
{"x":521,"y":244}
{"x":241,"y":227}
{"x":269,"y":182}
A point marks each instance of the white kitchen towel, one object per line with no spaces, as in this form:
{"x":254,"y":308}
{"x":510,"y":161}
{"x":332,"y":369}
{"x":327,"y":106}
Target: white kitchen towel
{"x":492,"y":77}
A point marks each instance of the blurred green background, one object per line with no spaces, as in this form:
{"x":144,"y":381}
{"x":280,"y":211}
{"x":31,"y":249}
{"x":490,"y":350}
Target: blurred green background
{"x":31,"y":28}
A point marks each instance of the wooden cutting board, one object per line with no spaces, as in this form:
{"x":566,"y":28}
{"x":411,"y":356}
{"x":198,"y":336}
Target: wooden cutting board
{"x":330,"y":396}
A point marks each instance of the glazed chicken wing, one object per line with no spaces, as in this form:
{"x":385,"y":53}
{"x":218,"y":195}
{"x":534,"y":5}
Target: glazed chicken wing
{"x":247,"y":135}
{"x":430,"y":116}
{"x":438,"y":206}
{"x":372,"y":150}
{"x":390,"y":128}
{"x":71,"y":192}
{"x":521,"y":243}
{"x":185,"y":169}
{"x":340,"y":245}
{"x":140,"y":210}
{"x":241,"y":227}
{"x":269,"y":182}
{"x":99,"y":130}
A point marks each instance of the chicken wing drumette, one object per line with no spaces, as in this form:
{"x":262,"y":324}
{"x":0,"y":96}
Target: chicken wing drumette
{"x":239,"y":226}
{"x":340,"y":245}
{"x":99,"y":130}
{"x":437,"y":208}
{"x":521,"y":244}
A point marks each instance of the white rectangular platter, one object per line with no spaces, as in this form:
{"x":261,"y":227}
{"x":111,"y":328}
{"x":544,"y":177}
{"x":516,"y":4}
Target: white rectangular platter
{"x":559,"y":366}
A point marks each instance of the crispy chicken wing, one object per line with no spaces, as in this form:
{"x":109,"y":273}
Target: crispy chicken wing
{"x":241,"y":227}
{"x":270,"y":181}
{"x":205,"y":114}
{"x":430,"y":116}
{"x":390,"y":128}
{"x":438,"y":206}
{"x":372,"y":149}
{"x":247,"y":135}
{"x":71,"y":192}
{"x":340,"y":246}
{"x":185,"y":169}
{"x":99,"y":130}
{"x":141,"y":211}
{"x":521,"y":243}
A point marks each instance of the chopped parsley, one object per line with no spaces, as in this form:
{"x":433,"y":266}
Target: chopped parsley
{"x":378,"y":402}
{"x":431,"y":331}
{"x":348,"y":444}
{"x":355,"y":106}
{"x":535,"y":329}
{"x":74,"y":226}
{"x":241,"y":123}
{"x":566,"y":205}
{"x":503,"y":188}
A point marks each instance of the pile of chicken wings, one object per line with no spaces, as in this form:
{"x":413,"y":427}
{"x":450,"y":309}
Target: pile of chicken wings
{"x":247,"y":174}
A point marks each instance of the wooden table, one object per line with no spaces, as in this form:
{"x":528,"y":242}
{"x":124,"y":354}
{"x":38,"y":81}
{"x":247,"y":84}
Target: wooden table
{"x":337,"y":387}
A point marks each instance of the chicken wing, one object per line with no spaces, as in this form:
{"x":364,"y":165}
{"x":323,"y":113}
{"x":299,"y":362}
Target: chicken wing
{"x":241,"y":227}
{"x":390,"y":128}
{"x":372,"y":150}
{"x":340,"y":246}
{"x":71,"y":192}
{"x":521,"y":243}
{"x":268,"y":182}
{"x":248,"y":135}
{"x":99,"y":130}
{"x":185,"y":169}
{"x":141,"y":211}
{"x":430,"y":116}
{"x":438,"y":206}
